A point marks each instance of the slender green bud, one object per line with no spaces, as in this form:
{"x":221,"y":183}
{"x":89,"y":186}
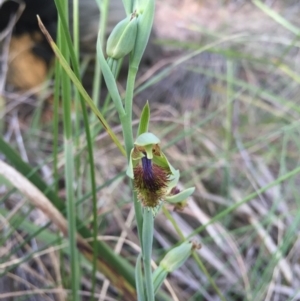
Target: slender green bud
{"x":173,"y":260}
{"x":122,"y":38}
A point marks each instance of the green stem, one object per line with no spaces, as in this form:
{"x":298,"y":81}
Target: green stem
{"x":128,"y":138}
{"x":206,"y":273}
{"x":139,"y":217}
{"x":139,"y":279}
{"x":127,"y":121}
{"x":148,"y":225}
{"x":130,"y":89}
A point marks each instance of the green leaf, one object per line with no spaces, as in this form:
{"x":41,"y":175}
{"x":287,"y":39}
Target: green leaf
{"x":110,"y":80}
{"x":139,"y":279}
{"x":31,"y":174}
{"x":109,"y":263}
{"x":277,"y":17}
{"x":80,"y":88}
{"x":144,"y":121}
{"x":159,"y":277}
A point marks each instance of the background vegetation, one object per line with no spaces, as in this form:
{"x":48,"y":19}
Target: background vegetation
{"x":223,"y":87}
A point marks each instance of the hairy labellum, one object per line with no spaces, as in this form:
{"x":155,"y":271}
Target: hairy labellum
{"x":150,"y":182}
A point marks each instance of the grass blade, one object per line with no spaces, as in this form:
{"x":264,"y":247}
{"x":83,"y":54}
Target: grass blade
{"x":115,"y":268}
{"x":80,"y":88}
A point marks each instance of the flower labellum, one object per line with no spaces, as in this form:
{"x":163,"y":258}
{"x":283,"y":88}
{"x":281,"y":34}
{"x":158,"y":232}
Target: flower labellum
{"x":149,"y":169}
{"x":150,"y":181}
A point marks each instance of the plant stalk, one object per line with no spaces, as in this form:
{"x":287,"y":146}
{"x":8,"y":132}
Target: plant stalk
{"x":148,"y":225}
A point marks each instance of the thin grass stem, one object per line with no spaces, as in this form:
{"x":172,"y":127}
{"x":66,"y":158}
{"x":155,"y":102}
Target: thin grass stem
{"x":55,"y":124}
{"x":248,"y":198}
{"x":228,"y":129}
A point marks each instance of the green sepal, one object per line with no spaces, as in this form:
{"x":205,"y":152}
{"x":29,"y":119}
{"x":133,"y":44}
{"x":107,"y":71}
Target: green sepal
{"x":146,"y":139}
{"x":145,"y":9}
{"x":162,"y":161}
{"x":173,"y":170}
{"x":173,"y":260}
{"x":127,"y":6}
{"x":129,"y":171}
{"x":179,"y":197}
{"x":176,"y":257}
{"x":144,"y":120}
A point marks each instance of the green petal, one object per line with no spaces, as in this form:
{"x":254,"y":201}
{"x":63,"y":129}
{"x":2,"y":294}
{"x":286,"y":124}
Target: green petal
{"x":181,"y":196}
{"x":175,"y":258}
{"x":162,"y":161}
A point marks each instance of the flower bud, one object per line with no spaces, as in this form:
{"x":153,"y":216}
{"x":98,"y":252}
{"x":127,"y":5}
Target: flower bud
{"x":122,"y":38}
{"x":173,"y":260}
